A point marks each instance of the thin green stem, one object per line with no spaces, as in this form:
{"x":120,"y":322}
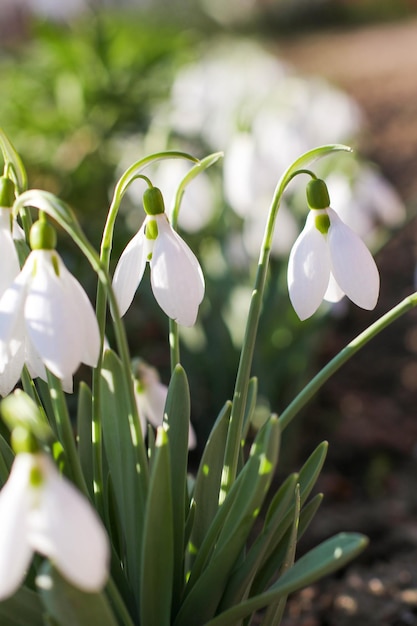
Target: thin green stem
{"x":65,"y":431}
{"x":344,"y":355}
{"x":233,"y":442}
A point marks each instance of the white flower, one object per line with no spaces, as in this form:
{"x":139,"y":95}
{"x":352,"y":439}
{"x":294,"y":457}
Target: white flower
{"x":151,"y":396}
{"x":176,"y":277}
{"x":329,"y":265}
{"x":46,"y":319}
{"x":42,"y":512}
{"x":8,"y":254}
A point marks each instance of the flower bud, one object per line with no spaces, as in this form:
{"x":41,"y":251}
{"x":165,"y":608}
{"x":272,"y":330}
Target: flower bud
{"x":42,"y":236}
{"x":6,"y":192}
{"x":317,"y":194}
{"x":153,"y":202}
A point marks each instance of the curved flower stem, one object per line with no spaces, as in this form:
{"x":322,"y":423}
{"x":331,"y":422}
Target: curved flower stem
{"x":200,"y":166}
{"x":106,"y":246}
{"x":50,"y":204}
{"x":233,"y":442}
{"x":65,"y":432}
{"x":344,"y":355}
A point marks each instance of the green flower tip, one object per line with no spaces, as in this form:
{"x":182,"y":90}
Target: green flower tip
{"x":23,"y":440}
{"x":42,"y":236}
{"x":317,"y":194}
{"x":153,"y":202}
{"x":6,"y":192}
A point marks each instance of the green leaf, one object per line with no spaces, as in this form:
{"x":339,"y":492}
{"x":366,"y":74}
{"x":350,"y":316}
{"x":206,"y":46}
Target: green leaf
{"x":85,"y":445}
{"x":70,"y":606}
{"x":6,"y":460}
{"x":247,"y":494}
{"x":207,"y":483}
{"x":250,"y":406}
{"x":129,"y":476}
{"x":158,"y":541}
{"x":177,"y":423}
{"x":239,"y":582}
{"x":325,"y":559}
{"x":276,"y":527}
{"x":10,"y":156}
{"x":21,"y":609}
{"x":274,"y":612}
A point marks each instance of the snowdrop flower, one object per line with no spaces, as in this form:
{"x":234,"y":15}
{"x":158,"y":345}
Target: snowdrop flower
{"x":151,"y":396}
{"x":42,"y":512}
{"x":176,"y":277}
{"x":46,"y":318}
{"x":8,"y":255}
{"x":329,"y":260}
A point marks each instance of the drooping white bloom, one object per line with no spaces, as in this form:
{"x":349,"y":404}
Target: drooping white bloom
{"x":42,"y":512}
{"x":8,"y":256}
{"x":176,"y":277}
{"x":151,"y":396}
{"x":46,"y":319}
{"x":329,"y":265}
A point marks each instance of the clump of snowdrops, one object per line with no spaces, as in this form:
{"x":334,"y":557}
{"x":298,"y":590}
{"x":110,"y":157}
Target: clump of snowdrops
{"x":101,"y":522}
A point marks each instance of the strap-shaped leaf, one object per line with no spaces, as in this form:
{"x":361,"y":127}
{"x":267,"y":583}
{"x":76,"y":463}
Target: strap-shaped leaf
{"x":177,"y":423}
{"x":158,"y":541}
{"x":239,"y":582}
{"x":207,"y":483}
{"x":326,"y":558}
{"x":275,"y":611}
{"x":248,"y":493}
{"x":24,"y":607}
{"x":85,"y":445}
{"x":70,"y":606}
{"x":128,"y":474}
{"x":307,"y":479}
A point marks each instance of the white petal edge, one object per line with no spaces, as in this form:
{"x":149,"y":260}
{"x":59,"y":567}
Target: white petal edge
{"x":10,"y":267}
{"x":308,"y":270}
{"x":352,"y":264}
{"x":15,"y":551}
{"x":84,"y":317}
{"x":49,"y":319}
{"x":129,"y":270}
{"x":176,"y":277}
{"x":67,"y":530}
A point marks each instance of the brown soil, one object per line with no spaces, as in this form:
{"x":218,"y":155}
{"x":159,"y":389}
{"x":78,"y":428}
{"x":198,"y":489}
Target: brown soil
{"x":368,"y":410}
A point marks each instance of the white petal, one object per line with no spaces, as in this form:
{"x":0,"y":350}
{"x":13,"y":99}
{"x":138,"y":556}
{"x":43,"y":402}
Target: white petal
{"x":352,"y":264}
{"x":9,"y":260}
{"x":176,"y":276}
{"x":333,"y":291}
{"x":67,"y":530}
{"x":12,"y":370}
{"x":15,"y":551}
{"x":49,"y":318}
{"x":308,"y":270}
{"x":84,"y":317}
{"x":129,"y":269}
{"x":12,"y":329}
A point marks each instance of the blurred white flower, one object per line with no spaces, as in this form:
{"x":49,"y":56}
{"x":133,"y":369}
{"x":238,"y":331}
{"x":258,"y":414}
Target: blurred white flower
{"x":328,"y":261}
{"x":42,"y":512}
{"x":46,"y":319}
{"x":8,"y":255}
{"x":176,"y":277}
{"x":151,"y":397}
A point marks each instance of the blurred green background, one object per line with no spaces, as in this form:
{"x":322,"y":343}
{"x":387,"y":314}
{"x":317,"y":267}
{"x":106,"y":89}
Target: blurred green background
{"x":88,"y":92}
